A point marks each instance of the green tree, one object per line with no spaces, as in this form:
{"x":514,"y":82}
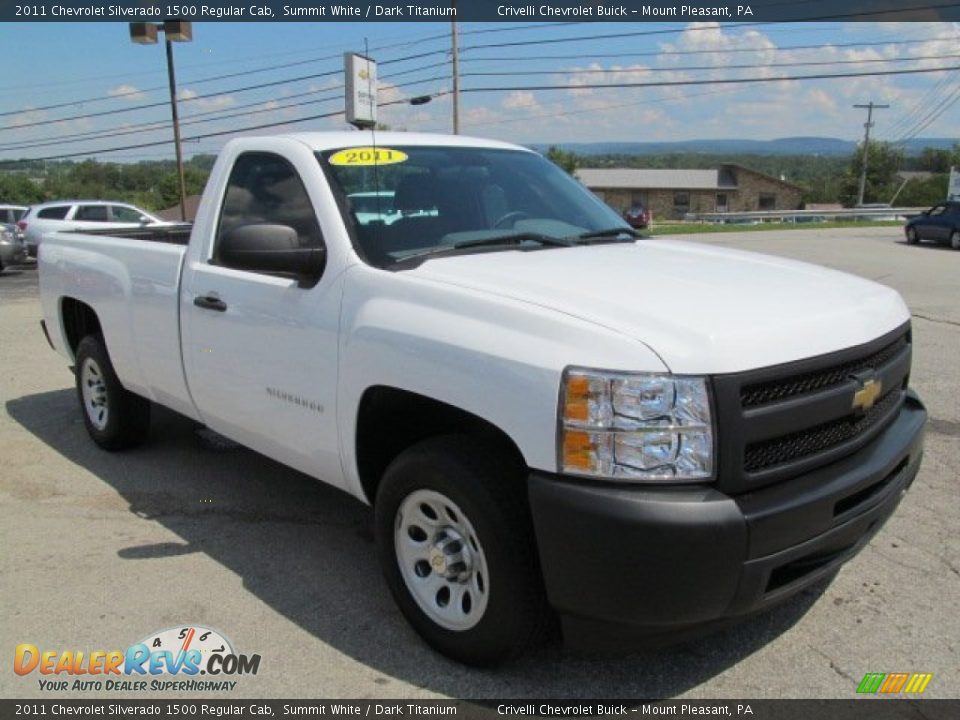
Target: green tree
{"x":565,"y":159}
{"x":884,"y":161}
{"x":924,"y":193}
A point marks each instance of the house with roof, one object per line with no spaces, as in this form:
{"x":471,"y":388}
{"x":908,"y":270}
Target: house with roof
{"x":671,"y":194}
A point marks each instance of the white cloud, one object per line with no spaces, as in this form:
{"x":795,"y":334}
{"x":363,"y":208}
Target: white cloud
{"x":126,"y":92}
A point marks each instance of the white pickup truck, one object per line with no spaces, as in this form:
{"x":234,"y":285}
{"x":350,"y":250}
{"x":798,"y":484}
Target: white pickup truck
{"x":550,"y":417}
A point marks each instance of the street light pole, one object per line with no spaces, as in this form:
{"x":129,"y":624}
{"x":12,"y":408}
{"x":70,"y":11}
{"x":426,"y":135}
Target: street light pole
{"x":173,"y":31}
{"x":176,"y":129}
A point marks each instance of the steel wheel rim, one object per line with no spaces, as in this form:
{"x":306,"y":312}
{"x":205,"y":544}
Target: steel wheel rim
{"x":441,"y":560}
{"x":94,"y":390}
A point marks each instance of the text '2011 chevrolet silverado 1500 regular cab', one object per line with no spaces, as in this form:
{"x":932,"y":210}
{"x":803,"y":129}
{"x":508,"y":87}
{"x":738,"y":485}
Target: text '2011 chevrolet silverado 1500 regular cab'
{"x":549,"y":417}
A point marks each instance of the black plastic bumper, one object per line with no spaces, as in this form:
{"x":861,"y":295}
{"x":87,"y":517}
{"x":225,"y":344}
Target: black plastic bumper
{"x":632,"y":560}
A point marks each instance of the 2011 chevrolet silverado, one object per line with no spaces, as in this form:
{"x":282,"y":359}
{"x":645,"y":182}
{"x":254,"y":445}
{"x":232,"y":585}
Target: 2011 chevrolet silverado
{"x":550,"y":417}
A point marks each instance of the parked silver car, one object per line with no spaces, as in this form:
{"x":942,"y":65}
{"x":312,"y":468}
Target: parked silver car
{"x":79,"y":215}
{"x":12,"y":249}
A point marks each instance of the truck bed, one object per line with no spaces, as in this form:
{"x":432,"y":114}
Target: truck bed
{"x":131,"y":278}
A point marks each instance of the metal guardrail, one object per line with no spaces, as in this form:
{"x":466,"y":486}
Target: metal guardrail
{"x":806,"y":215}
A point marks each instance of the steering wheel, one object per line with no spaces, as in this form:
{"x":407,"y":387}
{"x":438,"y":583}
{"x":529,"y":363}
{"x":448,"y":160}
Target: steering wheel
{"x":510,"y":217}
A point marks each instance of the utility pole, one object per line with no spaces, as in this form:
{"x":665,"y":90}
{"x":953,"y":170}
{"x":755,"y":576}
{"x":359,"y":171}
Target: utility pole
{"x":866,"y":146}
{"x":456,"y":69}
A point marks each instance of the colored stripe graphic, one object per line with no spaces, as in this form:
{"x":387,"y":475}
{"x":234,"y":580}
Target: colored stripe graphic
{"x":871,"y":683}
{"x":894,"y":683}
{"x":918,"y":683}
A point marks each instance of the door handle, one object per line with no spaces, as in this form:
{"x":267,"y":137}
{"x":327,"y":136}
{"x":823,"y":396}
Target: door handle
{"x":210,"y":302}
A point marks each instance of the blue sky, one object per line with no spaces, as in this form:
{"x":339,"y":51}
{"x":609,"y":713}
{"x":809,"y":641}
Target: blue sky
{"x":52,"y":63}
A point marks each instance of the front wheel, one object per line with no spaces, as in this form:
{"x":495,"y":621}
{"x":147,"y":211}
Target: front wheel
{"x":912,"y":237}
{"x":115,"y":417}
{"x":456,"y":545}
{"x":955,"y":240}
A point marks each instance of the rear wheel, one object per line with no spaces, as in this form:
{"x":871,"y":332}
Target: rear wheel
{"x":456,"y":545}
{"x":115,"y":417}
{"x":955,"y":240}
{"x":912,"y":237}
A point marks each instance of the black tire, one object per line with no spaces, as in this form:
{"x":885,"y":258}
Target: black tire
{"x":124,"y":418}
{"x":489,"y":488}
{"x":912,"y":236}
{"x":955,"y":240}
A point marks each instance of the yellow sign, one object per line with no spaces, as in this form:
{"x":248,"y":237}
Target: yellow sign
{"x":362,"y":156}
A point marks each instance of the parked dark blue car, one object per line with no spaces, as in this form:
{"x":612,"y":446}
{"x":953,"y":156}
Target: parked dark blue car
{"x":941,"y":223}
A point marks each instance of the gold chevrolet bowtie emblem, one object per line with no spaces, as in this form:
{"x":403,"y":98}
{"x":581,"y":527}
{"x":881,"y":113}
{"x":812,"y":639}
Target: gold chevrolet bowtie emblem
{"x":866,"y":396}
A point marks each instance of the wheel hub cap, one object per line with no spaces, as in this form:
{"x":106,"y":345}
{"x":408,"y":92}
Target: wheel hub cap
{"x":441,"y":560}
{"x":94,"y":390}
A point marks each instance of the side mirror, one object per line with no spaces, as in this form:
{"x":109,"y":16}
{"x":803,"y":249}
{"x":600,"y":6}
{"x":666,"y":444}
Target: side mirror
{"x":144,"y":220}
{"x":271,"y":249}
{"x":925,"y":212}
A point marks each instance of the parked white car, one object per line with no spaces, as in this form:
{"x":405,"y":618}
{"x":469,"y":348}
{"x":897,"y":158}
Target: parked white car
{"x":60,"y":215}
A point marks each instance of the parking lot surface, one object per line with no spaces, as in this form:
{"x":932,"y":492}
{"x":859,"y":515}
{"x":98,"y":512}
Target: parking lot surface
{"x":99,"y":550}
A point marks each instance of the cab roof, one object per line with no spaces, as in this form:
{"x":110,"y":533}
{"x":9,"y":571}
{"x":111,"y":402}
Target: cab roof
{"x":320,"y":141}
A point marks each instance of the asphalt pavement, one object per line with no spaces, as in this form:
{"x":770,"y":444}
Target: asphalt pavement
{"x":99,"y":550}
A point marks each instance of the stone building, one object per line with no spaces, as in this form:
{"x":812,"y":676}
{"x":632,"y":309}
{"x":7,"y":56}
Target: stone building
{"x":671,"y":194}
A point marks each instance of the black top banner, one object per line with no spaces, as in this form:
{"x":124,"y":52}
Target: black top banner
{"x":741,"y":11}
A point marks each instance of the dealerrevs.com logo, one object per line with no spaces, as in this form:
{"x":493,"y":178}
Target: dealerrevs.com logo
{"x":168,"y":660}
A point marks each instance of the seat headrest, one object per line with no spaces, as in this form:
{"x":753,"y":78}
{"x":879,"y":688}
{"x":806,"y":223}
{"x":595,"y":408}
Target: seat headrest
{"x":415,"y":193}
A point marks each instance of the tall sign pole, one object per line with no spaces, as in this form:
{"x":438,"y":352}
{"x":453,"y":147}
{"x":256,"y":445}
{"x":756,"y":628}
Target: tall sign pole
{"x":866,"y":147}
{"x":454,"y":39}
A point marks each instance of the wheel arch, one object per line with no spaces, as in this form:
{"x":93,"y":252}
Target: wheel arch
{"x":78,"y":319}
{"x":390,"y":420}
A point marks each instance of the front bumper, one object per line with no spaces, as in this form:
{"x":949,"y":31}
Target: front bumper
{"x":630,"y":560}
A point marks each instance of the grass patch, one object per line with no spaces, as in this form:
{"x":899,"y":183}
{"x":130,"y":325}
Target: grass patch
{"x":698,"y":228}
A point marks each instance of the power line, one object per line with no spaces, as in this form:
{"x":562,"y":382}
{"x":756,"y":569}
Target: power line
{"x":659,"y":53}
{"x":220,"y":116}
{"x":218,"y":133}
{"x":722,"y":81}
{"x":750,"y":66}
{"x":939,"y":110}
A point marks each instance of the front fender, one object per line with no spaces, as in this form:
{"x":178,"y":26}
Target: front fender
{"x":496,"y":358}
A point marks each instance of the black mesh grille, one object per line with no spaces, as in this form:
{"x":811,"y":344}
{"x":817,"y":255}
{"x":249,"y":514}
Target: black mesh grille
{"x":762,"y":455}
{"x":783,"y":388}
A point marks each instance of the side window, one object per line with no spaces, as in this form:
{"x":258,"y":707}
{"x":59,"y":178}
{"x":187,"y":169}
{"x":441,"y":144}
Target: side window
{"x":124,"y":214}
{"x":57,"y":212}
{"x":937,"y":210}
{"x":91,"y":213}
{"x":264,"y":189}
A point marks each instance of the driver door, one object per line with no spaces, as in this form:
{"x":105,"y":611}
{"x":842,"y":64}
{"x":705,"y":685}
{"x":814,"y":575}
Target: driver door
{"x":260,"y":349}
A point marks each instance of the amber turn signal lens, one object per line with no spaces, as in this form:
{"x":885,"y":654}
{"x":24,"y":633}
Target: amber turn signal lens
{"x":577,"y":449}
{"x":577,"y":398}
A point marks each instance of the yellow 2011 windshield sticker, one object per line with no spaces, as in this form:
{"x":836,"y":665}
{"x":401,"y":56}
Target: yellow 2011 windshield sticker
{"x":361,"y":156}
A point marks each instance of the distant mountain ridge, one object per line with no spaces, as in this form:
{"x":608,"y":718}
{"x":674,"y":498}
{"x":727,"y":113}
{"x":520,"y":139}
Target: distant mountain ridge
{"x":779,"y":146}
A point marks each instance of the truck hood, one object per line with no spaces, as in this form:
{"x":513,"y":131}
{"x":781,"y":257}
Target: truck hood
{"x":701,"y":308}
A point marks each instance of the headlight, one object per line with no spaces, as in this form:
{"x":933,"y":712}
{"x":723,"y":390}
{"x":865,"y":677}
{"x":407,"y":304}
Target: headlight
{"x":635,"y":427}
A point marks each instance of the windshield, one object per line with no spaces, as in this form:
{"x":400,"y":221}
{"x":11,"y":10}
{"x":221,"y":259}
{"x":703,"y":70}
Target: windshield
{"x":407,"y":201}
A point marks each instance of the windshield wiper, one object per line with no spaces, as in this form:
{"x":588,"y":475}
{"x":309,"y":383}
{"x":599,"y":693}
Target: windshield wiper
{"x":514,"y":239}
{"x":606,"y":235}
